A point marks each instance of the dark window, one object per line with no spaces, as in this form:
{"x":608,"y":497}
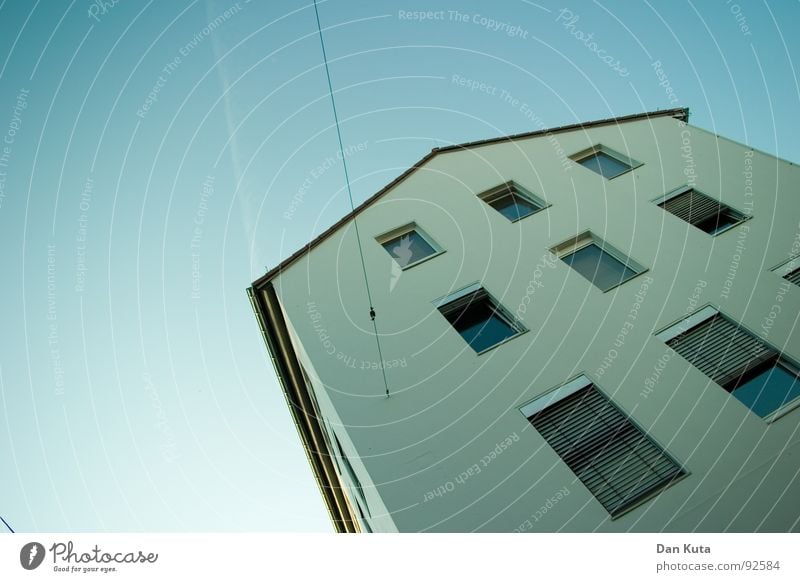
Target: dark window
{"x":611,"y":456}
{"x":599,"y":267}
{"x":768,"y":387}
{"x":512,"y":201}
{"x":604,"y":164}
{"x":751,"y":370}
{"x":365,"y":527}
{"x":793,"y":276}
{"x":513,"y":207}
{"x":409,"y":248}
{"x":480,"y":320}
{"x":702,"y":211}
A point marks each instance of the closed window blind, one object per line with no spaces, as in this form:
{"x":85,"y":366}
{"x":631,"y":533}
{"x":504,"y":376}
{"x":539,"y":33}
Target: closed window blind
{"x":721,"y":349}
{"x":611,"y":456}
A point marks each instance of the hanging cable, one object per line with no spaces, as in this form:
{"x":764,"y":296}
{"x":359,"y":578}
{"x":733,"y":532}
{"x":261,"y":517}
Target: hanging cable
{"x":6,"y":524}
{"x":350,"y":197}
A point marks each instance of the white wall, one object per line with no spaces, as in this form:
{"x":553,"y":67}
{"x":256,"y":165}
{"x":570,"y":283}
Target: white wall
{"x":449,"y":407}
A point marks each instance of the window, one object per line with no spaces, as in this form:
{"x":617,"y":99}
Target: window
{"x":481,"y":321}
{"x":598,"y":262}
{"x":605,"y":161}
{"x":612,"y":457}
{"x":793,"y":276}
{"x":351,"y":473}
{"x":312,"y":396}
{"x":701,"y":211}
{"x":752,"y":371}
{"x":512,"y":201}
{"x":790,"y":270}
{"x":409,"y":245}
{"x":327,"y":433}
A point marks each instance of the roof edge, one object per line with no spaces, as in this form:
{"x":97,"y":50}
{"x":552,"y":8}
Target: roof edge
{"x":680,"y":113}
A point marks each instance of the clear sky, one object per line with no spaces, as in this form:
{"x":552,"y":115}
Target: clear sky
{"x":152,"y":165}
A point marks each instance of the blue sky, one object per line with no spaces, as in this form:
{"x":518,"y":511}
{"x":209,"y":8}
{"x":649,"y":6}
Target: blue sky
{"x":152,"y":166}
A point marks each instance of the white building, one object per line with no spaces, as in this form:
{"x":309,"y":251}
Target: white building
{"x":591,"y":328}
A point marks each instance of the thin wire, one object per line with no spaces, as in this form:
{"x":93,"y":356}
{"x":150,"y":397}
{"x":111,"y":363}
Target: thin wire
{"x":6,"y":523}
{"x":350,"y":196}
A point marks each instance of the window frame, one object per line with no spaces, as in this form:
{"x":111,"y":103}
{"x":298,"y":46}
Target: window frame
{"x":587,"y":238}
{"x":679,"y":191}
{"x":513,"y":188}
{"x":461,"y":298}
{"x":599,"y":148}
{"x":399,"y":232}
{"x":703,"y":314}
{"x":576,"y":384}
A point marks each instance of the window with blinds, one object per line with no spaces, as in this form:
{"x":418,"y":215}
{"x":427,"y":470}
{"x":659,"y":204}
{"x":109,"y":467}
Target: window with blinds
{"x":409,"y":245}
{"x":793,"y":276}
{"x":611,"y":456}
{"x":701,"y":211}
{"x":747,"y":367}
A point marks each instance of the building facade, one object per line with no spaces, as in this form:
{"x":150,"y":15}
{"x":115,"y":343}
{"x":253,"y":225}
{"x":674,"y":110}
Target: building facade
{"x":590,"y":328}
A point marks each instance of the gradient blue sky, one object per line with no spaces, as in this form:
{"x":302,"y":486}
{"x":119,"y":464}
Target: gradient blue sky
{"x":131,"y":401}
